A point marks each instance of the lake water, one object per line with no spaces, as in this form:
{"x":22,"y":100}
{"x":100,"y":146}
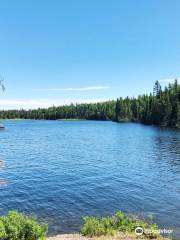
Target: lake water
{"x":62,"y":170}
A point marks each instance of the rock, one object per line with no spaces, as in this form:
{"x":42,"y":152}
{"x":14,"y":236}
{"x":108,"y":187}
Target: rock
{"x":1,"y":163}
{"x":3,"y":183}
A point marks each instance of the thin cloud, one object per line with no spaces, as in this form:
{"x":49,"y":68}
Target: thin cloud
{"x":168,"y":80}
{"x":41,"y":103}
{"x":73,"y":89}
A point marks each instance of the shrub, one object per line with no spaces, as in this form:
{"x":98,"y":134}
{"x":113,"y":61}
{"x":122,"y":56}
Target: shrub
{"x":17,"y":226}
{"x":94,"y":226}
{"x":97,"y":227}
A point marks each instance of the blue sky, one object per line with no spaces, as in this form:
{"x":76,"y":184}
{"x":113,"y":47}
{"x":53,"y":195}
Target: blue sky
{"x":62,"y":51}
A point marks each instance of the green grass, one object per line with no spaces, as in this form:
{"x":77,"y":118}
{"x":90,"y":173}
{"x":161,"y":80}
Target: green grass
{"x":95,"y":227}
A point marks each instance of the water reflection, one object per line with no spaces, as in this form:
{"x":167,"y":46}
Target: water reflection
{"x":167,"y":148}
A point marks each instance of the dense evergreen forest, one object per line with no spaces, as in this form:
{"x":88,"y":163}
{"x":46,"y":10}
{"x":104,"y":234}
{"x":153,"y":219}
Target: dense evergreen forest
{"x":162,"y":107}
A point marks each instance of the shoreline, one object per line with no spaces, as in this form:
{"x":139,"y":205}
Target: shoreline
{"x":119,"y":236}
{"x":79,"y":119}
{"x":73,"y":236}
{"x":29,"y":119}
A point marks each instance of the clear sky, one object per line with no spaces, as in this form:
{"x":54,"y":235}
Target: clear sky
{"x":62,"y":51}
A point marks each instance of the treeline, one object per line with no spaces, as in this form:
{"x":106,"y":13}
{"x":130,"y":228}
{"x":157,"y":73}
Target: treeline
{"x":162,"y":107}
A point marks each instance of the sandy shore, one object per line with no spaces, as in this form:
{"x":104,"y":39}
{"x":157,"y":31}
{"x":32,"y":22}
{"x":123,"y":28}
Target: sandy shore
{"x":119,"y":236}
{"x":68,"y":237}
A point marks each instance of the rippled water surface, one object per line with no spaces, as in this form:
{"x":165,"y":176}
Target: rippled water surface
{"x":61,"y":170}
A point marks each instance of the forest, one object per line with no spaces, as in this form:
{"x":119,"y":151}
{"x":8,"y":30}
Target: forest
{"x":161,"y":107}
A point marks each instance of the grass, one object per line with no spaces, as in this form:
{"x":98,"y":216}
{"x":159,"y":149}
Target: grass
{"x":117,"y":225}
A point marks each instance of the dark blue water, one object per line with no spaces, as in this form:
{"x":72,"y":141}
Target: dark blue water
{"x":62,"y":170}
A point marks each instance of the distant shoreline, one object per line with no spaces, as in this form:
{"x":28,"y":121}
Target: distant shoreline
{"x":71,"y":119}
{"x":32,"y":119}
{"x":76,"y":119}
{"x":12,"y":119}
{"x":79,"y":119}
{"x":160,"y":108}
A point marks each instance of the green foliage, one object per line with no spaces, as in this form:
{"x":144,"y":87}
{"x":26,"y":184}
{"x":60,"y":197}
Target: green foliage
{"x":160,"y":108}
{"x":17,"y":226}
{"x":94,"y":226}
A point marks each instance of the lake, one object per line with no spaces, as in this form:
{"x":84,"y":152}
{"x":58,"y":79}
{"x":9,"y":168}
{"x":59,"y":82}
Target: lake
{"x":63,"y":170}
